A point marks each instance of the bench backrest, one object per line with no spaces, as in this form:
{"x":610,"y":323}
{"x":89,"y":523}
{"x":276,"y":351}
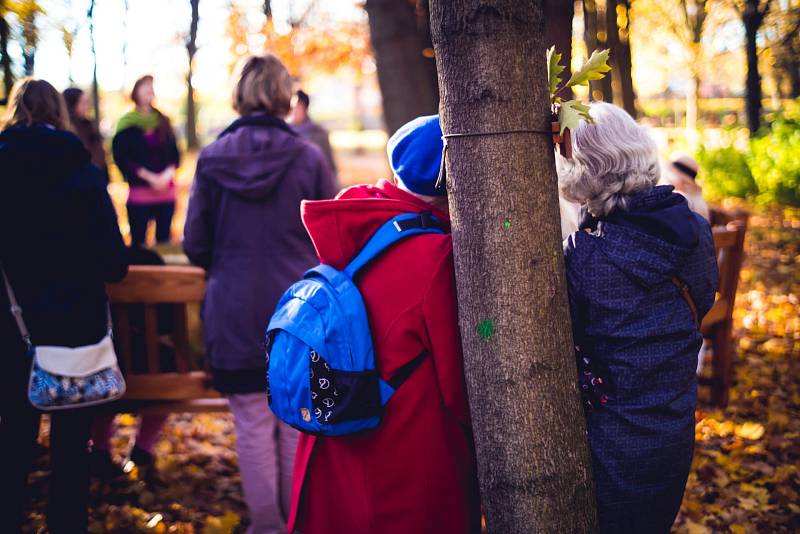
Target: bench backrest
{"x":729,"y":246}
{"x":153,"y":287}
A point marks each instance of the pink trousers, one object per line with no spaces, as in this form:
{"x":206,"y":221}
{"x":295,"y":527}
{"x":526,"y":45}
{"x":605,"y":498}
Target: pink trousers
{"x":266,"y":448}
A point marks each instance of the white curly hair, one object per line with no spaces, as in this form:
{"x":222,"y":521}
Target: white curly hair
{"x":612,"y":158}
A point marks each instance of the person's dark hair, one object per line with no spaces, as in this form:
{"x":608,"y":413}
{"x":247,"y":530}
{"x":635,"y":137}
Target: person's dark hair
{"x":302,"y":98}
{"x":147,"y":78}
{"x":35,"y":101}
{"x":164,"y":125}
{"x":71,"y":97}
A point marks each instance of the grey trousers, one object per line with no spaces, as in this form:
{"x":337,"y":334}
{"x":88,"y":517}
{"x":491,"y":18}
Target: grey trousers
{"x":266,"y":448}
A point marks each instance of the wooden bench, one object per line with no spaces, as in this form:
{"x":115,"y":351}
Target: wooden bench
{"x":717,"y":327}
{"x":147,"y":292}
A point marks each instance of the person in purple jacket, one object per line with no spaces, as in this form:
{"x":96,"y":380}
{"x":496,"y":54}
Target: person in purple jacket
{"x":243,"y":226}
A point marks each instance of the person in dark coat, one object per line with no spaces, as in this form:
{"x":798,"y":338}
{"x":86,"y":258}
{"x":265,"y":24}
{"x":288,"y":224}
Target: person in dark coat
{"x":59,"y":244}
{"x":243,"y":226}
{"x":309,"y":129}
{"x":635,"y":332}
{"x":146,"y":153}
{"x":79,"y":106}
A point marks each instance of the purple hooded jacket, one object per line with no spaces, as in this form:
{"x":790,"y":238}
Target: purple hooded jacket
{"x":243,"y":226}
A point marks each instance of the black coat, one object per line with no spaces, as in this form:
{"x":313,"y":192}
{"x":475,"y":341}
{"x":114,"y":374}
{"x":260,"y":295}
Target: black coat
{"x":59,"y":239}
{"x":131,"y":152}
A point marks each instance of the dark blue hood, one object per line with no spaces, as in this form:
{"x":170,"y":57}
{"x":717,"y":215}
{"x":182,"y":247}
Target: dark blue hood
{"x":652,"y":238}
{"x":39,"y":156}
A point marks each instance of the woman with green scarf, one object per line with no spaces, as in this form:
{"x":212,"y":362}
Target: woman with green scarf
{"x":145,"y":151}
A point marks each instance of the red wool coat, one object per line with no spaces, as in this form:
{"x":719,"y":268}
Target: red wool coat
{"x":415,"y":473}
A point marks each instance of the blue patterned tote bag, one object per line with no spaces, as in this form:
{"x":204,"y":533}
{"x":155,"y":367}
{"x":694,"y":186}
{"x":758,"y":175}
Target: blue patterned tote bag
{"x":69,"y":377}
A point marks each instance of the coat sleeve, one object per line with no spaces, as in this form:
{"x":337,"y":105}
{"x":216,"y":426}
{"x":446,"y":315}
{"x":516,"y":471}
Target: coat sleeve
{"x":327,"y":185}
{"x":441,"y":325}
{"x":198,"y":232}
{"x":110,"y":249}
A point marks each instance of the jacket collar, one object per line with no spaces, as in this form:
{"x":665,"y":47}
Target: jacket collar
{"x":264,"y":120}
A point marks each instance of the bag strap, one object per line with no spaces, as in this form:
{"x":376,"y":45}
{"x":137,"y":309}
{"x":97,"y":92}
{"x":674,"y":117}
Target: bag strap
{"x":16,"y":311}
{"x":684,"y":290}
{"x":391,"y":232}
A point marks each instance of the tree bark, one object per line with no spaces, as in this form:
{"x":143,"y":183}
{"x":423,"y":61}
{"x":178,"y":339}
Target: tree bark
{"x":192,"y":143}
{"x":407,"y":78}
{"x":558,"y":15}
{"x":752,"y":17}
{"x":530,"y":436}
{"x":5,"y":59}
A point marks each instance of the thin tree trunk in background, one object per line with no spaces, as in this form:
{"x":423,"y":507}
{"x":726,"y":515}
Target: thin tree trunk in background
{"x":192,"y":143}
{"x":607,"y":26}
{"x":590,"y":29}
{"x":793,"y":72}
{"x":530,"y":436}
{"x":403,"y":54}
{"x":752,"y":18}
{"x":268,"y":9}
{"x":5,"y":60}
{"x":558,"y":16}
{"x":95,"y":85}
{"x":692,"y":101}
{"x":617,"y":12}
{"x":125,"y":9}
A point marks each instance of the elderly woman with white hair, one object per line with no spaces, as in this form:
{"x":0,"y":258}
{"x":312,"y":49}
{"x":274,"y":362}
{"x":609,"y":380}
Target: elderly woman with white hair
{"x":641,"y":274}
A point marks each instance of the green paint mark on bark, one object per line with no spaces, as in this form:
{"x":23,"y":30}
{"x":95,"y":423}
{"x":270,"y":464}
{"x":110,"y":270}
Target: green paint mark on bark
{"x":506,"y":224}
{"x":486,"y":329}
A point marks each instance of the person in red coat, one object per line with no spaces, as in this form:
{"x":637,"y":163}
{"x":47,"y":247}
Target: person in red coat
{"x":416,"y":473}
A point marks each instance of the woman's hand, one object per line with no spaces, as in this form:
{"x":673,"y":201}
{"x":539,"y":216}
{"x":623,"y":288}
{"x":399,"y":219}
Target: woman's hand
{"x":158,"y":181}
{"x":166,"y":177}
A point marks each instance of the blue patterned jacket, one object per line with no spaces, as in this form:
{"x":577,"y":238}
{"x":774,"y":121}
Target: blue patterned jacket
{"x":634,"y":331}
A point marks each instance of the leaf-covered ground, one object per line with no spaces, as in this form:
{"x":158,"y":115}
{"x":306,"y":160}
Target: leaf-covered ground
{"x":746,"y":472}
{"x":745,"y":476}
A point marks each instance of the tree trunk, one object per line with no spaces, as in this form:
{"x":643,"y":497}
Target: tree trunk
{"x":95,"y":85}
{"x":793,"y":72}
{"x":692,"y":101}
{"x":590,"y":29}
{"x":558,"y":16}
{"x":192,"y":143}
{"x":5,"y":59}
{"x":530,"y":436}
{"x":28,"y":60}
{"x":607,"y":24}
{"x":752,"y":19}
{"x":620,"y":46}
{"x":407,"y":78}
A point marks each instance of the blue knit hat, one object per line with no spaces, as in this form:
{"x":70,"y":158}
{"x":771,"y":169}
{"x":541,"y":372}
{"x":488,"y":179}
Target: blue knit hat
{"x":415,"y":154}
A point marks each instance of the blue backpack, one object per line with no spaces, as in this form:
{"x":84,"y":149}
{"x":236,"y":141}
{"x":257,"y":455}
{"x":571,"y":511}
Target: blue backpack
{"x":321,"y":374}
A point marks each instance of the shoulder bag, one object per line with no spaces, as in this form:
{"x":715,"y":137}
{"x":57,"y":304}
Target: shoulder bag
{"x":69,"y":377}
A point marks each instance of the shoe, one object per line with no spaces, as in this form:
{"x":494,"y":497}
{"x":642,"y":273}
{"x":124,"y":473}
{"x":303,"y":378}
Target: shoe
{"x":102,"y":466}
{"x":141,"y":457}
{"x":145,"y":465}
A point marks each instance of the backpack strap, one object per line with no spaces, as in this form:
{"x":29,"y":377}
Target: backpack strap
{"x":391,"y":232}
{"x":684,"y":289}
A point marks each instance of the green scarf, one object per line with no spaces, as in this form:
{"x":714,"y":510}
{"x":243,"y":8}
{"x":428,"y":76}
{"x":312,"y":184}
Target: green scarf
{"x":139,"y":120}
